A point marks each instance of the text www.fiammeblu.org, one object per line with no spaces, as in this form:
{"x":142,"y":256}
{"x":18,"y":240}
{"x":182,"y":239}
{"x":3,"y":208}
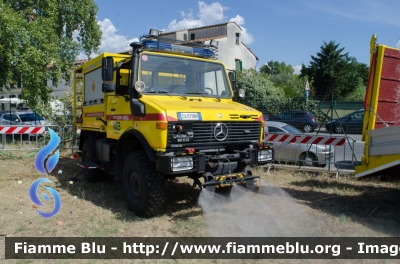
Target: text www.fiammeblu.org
{"x":231,"y":248}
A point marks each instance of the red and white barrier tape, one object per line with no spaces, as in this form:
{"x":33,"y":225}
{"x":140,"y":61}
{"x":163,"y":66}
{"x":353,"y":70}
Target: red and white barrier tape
{"x":320,"y":140}
{"x":22,"y":130}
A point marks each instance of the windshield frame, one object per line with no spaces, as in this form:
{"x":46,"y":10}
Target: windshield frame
{"x":183,"y":76}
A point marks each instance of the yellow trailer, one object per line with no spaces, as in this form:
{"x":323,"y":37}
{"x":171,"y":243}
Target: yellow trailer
{"x":381,"y":128}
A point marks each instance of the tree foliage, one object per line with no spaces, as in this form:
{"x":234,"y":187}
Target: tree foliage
{"x":332,"y":71}
{"x":39,"y":40}
{"x":263,"y":95}
{"x":275,"y":67}
{"x":257,"y":88}
{"x":283,"y":77}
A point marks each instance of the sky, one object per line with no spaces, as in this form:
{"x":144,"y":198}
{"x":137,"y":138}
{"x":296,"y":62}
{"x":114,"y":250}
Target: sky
{"x":289,"y":31}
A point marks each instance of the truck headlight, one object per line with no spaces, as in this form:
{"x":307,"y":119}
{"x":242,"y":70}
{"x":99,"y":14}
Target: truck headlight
{"x":265,"y":155}
{"x":182,"y":163}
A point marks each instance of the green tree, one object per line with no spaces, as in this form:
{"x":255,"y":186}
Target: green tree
{"x":257,"y":88}
{"x":333,"y":71}
{"x":264,"y":96}
{"x":357,"y":94}
{"x":283,"y":77}
{"x":275,"y":67}
{"x":35,"y":35}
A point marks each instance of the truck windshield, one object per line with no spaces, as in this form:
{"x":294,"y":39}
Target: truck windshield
{"x":183,"y":76}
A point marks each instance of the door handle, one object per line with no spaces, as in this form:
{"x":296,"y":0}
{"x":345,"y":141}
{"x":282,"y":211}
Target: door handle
{"x":113,"y":109}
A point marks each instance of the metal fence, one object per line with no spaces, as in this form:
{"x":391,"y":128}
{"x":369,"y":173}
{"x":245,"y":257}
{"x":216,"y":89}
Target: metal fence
{"x":324,"y":151}
{"x":29,"y":138}
{"x":312,"y":118}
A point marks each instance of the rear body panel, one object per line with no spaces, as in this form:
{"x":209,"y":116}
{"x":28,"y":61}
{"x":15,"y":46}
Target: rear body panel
{"x":382,"y":115}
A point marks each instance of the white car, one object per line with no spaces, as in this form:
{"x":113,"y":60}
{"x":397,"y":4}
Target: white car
{"x":304,"y":154}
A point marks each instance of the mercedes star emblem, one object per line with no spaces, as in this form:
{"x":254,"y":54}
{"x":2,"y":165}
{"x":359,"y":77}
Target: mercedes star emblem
{"x":220,"y":132}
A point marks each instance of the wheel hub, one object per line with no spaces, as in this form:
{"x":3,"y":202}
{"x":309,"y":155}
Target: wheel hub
{"x":308,"y":161}
{"x":135,"y":186}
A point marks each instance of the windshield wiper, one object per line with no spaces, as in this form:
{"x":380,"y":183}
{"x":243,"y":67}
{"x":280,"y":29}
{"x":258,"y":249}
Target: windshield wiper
{"x":195,"y":93}
{"x":168,"y":93}
{"x":159,"y":91}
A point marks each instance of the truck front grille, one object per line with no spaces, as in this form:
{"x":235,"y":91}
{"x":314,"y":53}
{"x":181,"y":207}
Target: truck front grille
{"x":203,"y":133}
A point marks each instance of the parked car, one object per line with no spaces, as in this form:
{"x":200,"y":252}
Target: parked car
{"x":351,"y":123}
{"x":303,"y":120}
{"x":22,"y":118}
{"x":305,"y":154}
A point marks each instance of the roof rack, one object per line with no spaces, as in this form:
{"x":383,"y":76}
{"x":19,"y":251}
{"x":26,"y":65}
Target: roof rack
{"x":197,"y":49}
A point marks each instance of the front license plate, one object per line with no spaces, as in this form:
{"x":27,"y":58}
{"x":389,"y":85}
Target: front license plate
{"x":182,"y":138}
{"x":189,"y":116}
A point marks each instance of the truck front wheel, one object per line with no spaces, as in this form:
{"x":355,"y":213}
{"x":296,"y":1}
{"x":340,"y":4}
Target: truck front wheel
{"x":144,"y":187}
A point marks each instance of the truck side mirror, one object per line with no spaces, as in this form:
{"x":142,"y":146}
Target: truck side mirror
{"x":107,"y":69}
{"x":232,"y":79}
{"x":108,"y":87}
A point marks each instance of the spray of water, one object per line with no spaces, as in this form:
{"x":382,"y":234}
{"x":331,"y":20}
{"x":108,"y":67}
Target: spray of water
{"x":268,"y":211}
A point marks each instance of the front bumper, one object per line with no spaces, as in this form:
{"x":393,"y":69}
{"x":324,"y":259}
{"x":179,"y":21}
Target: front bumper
{"x":192,"y":161}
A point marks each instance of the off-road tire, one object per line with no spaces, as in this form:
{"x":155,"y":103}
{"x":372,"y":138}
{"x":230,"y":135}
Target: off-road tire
{"x":89,"y":155}
{"x":144,"y":187}
{"x":308,"y":160}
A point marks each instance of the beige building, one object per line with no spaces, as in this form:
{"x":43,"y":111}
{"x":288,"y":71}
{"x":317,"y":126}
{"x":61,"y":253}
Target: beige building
{"x":227,"y":36}
{"x":14,"y":92}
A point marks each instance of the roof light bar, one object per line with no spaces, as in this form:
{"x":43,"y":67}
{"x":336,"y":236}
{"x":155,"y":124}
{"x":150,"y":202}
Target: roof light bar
{"x":153,"y":41}
{"x":177,"y":48}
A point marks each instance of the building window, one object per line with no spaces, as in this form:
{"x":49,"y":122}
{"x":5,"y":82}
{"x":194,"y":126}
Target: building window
{"x":185,"y":36}
{"x":2,"y":105}
{"x":237,"y":39}
{"x":238,"y":65}
{"x":192,"y":36}
{"x":19,"y":83}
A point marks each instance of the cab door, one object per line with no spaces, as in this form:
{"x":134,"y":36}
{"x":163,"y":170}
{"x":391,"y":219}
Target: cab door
{"x":118,"y":113}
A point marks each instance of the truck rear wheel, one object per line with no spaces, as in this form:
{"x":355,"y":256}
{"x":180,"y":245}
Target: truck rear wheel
{"x":144,"y":187}
{"x":89,"y":155}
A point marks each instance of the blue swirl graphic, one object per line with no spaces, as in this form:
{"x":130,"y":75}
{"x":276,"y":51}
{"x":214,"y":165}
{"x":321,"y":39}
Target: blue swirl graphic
{"x":35,"y":199}
{"x":45,"y":151}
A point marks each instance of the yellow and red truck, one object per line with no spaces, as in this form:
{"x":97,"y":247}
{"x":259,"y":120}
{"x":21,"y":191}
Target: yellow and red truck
{"x":381,"y":126}
{"x":165,"y":109}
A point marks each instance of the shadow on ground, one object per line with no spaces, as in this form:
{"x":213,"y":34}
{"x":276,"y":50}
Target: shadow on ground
{"x":376,"y":207}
